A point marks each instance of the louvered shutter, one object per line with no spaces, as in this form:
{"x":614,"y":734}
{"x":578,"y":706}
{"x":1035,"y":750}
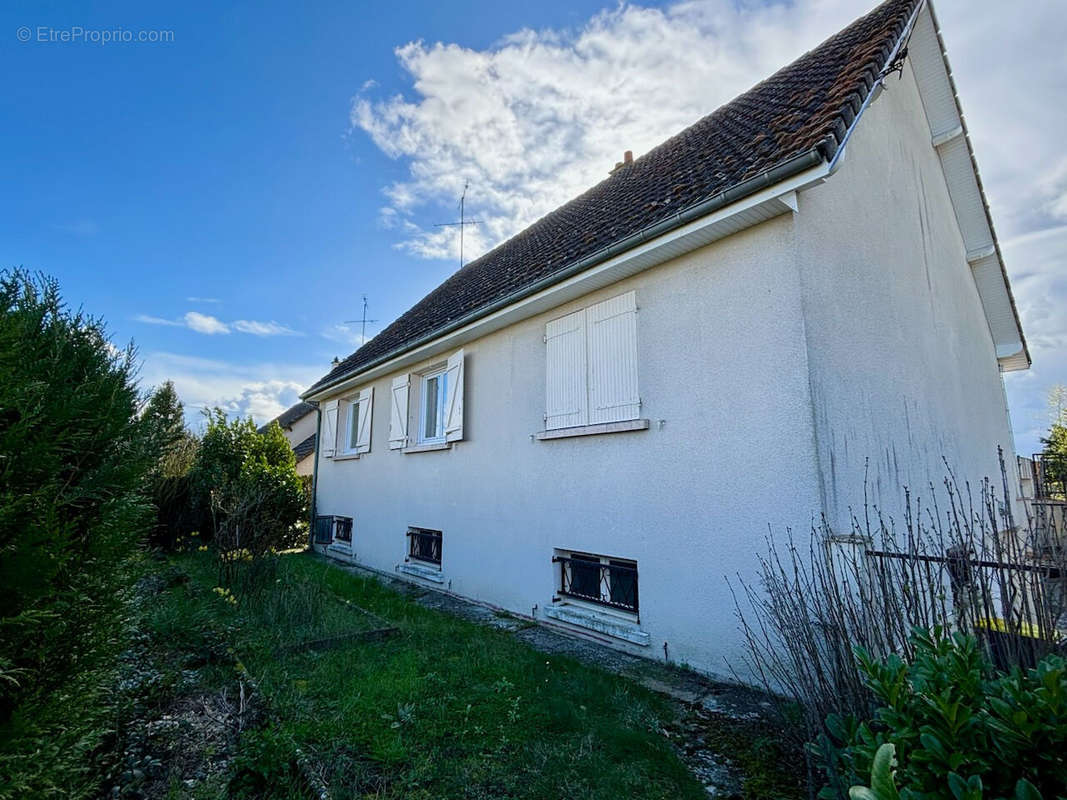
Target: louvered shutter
{"x":565,"y":380}
{"x":612,"y":332}
{"x":398,"y":413}
{"x":329,"y":428}
{"x":454,"y":398}
{"x":366,"y":408}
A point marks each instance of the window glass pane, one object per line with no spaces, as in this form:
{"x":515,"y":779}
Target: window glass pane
{"x":585,"y":577}
{"x":430,"y":406}
{"x":353,"y":425}
{"x":623,"y":584}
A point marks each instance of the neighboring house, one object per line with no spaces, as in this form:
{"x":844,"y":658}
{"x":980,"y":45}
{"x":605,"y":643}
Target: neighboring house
{"x":300,"y":426}
{"x":596,"y":422}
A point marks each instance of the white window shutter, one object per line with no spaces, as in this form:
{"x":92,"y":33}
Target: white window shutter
{"x":366,"y":408}
{"x":328,"y":434}
{"x":398,"y":413}
{"x":612,"y":331}
{"x":567,"y":400}
{"x":454,"y":398}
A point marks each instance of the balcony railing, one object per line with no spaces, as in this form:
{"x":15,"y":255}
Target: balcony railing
{"x":331,"y":528}
{"x":424,"y":545}
{"x":607,"y":582}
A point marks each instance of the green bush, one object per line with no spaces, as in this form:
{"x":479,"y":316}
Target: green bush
{"x":256,"y":499}
{"x":960,"y":729}
{"x":73,"y":462}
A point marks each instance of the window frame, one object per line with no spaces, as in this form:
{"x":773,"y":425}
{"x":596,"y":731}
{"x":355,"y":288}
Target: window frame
{"x":413,"y":534}
{"x":351,"y":404}
{"x":565,"y":558}
{"x":440,"y":399}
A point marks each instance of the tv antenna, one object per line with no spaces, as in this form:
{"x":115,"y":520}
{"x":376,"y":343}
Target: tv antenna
{"x":463,"y":221}
{"x":363,"y":322}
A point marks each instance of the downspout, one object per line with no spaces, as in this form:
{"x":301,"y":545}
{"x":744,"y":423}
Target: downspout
{"x":777,"y":174}
{"x":315,"y":477}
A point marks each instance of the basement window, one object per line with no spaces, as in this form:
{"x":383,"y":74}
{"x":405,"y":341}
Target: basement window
{"x":602,"y":580}
{"x":424,"y":545}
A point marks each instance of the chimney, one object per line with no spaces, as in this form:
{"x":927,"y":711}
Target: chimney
{"x":627,"y":159}
{"x":335,"y":361}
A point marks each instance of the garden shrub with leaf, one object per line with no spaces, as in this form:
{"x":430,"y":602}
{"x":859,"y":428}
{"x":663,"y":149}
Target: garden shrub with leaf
{"x":73,"y":459}
{"x":957,"y":728}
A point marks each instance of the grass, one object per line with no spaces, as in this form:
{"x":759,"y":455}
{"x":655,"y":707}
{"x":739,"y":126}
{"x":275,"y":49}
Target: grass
{"x":442,"y":709}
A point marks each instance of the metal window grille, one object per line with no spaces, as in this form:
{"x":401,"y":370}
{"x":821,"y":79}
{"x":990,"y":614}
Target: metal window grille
{"x":608,"y":582}
{"x":424,"y":545}
{"x":331,"y":528}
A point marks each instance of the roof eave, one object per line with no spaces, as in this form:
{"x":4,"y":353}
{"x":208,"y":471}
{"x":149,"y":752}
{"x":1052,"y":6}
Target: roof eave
{"x":779,"y":174}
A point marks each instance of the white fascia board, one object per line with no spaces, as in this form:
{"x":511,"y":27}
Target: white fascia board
{"x":752,"y":210}
{"x":948,"y":134}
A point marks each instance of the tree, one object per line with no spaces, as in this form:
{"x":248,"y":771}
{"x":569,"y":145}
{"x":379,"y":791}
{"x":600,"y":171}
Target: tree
{"x":174,"y":451}
{"x":73,"y":461}
{"x":1054,"y":453}
{"x":248,"y":480}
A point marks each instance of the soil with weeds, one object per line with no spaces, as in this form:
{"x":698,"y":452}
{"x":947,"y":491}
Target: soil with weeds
{"x":183,"y":702}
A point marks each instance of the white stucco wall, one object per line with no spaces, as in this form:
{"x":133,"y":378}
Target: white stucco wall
{"x":903,"y":368}
{"x":301,"y":430}
{"x":780,"y":359}
{"x":721,"y":361}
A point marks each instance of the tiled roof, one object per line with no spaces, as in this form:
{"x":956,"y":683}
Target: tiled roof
{"x":305,"y":448}
{"x":805,"y":107}
{"x":291,"y":415}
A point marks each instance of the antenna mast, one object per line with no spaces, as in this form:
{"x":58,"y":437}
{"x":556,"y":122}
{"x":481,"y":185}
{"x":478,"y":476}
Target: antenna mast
{"x":463,"y":221}
{"x":363,"y":322}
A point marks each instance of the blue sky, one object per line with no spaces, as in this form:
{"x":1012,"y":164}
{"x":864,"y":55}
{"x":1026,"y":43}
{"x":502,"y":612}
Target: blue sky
{"x":225,"y":198}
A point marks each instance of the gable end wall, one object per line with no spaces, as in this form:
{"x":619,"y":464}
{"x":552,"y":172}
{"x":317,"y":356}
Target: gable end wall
{"x":903,"y":370}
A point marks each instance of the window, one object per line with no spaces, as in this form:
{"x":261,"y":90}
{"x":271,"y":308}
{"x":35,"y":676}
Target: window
{"x":591,"y":365}
{"x":330,"y":528}
{"x":598,"y":579}
{"x":435,"y":414}
{"x":434,"y":392}
{"x":424,"y":544}
{"x":346,"y":424}
{"x":353,"y":427}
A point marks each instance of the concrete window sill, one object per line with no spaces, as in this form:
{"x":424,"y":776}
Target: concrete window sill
{"x":593,"y":430}
{"x":427,"y":448}
{"x":346,"y":457}
{"x":419,"y":571}
{"x":601,"y":623}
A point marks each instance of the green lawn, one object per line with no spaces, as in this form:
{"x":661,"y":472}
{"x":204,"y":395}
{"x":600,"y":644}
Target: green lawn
{"x":443,"y":708}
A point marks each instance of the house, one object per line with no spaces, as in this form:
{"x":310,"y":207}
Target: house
{"x":299,"y":423}
{"x":794,"y":304}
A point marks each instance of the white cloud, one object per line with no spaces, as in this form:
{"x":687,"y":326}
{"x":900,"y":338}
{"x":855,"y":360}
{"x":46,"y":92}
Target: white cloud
{"x":263,"y":328}
{"x":210,"y":325}
{"x":149,"y":319}
{"x":543,"y":115}
{"x":82,"y":227}
{"x":261,"y":391}
{"x":345,"y":334}
{"x":204,"y":323}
